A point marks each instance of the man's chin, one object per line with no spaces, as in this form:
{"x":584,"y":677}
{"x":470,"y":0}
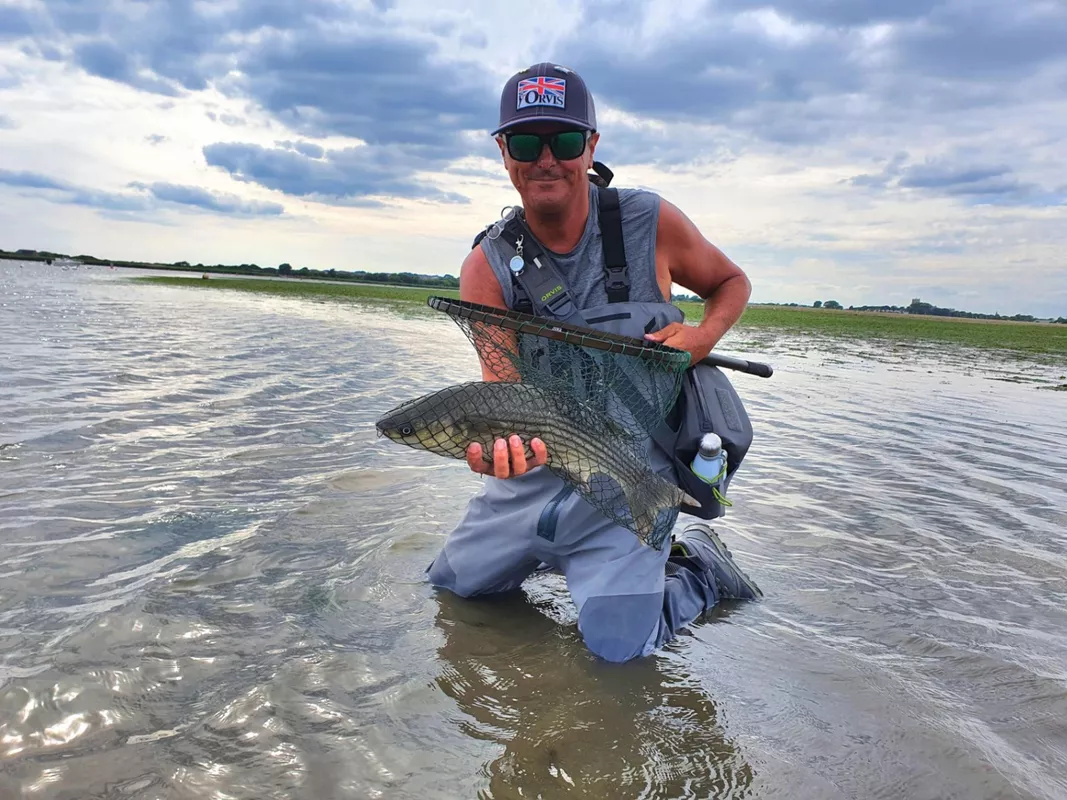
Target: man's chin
{"x":548,"y":194}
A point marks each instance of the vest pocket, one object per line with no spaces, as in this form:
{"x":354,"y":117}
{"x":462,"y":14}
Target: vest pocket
{"x":608,"y":318}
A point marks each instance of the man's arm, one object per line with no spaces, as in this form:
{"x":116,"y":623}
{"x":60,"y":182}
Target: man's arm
{"x":698,"y":265}
{"x":478,"y":284}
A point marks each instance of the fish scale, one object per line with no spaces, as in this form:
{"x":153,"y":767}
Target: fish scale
{"x":586,"y":449}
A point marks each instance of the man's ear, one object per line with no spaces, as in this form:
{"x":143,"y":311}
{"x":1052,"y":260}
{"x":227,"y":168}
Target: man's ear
{"x":500,"y":144}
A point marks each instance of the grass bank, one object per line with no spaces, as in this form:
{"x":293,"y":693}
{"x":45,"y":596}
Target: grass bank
{"x":305,"y":288}
{"x":1022,"y":337}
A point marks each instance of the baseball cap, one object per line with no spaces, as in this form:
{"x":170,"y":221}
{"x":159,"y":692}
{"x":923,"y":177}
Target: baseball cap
{"x":546,"y":92}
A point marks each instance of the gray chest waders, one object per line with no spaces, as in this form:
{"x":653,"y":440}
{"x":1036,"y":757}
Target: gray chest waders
{"x":707,"y":402}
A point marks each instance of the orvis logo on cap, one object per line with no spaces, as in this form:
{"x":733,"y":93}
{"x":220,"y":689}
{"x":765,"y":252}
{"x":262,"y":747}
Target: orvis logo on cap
{"x":542,"y":91}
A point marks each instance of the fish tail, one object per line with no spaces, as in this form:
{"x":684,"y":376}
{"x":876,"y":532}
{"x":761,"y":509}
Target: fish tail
{"x":654,"y":506}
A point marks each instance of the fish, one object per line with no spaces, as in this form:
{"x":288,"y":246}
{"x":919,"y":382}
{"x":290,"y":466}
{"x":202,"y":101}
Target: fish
{"x":586,"y":448}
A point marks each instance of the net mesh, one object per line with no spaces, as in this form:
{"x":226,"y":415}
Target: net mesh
{"x":593,"y":396}
{"x":632,"y":381}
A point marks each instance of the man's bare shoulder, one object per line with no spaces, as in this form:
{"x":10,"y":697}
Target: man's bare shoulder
{"x":477,"y":281}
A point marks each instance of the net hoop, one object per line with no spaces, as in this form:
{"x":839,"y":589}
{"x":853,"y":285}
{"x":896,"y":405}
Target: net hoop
{"x":560,"y":331}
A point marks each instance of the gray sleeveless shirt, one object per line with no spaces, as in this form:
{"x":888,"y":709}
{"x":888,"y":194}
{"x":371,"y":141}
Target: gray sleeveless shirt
{"x":583,"y":267}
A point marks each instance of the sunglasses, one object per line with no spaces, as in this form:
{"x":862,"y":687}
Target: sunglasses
{"x":564,"y":146}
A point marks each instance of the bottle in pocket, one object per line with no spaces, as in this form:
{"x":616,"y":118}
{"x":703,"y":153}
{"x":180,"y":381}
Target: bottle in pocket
{"x":709,"y":464}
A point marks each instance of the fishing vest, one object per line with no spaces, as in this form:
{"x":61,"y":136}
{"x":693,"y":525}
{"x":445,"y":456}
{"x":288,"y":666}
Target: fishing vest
{"x":598,"y":287}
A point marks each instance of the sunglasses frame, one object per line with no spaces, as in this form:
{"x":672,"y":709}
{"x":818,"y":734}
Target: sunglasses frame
{"x":550,"y":140}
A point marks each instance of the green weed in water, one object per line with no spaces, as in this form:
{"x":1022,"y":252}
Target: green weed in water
{"x":1032,"y":339}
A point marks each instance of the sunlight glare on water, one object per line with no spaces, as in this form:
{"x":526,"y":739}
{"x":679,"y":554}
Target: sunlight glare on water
{"x":211,"y":573}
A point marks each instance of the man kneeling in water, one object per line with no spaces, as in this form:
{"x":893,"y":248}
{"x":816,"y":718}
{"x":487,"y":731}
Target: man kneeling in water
{"x":631,"y":598}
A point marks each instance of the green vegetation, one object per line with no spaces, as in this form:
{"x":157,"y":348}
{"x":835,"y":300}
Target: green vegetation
{"x":337,"y":291}
{"x":284,"y":270}
{"x":1029,"y":338}
{"x":1025,"y":337}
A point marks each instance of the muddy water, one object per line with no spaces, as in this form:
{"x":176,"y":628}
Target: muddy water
{"x":211,"y":574}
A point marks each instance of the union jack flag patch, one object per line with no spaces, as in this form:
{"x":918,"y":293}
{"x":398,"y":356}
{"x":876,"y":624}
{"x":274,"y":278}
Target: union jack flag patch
{"x":542,"y":91}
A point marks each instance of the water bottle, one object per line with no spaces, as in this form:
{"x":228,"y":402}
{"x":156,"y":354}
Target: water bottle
{"x":710,"y":461}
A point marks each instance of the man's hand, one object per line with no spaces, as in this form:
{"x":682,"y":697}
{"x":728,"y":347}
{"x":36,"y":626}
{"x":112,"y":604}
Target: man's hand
{"x":691,"y":338}
{"x":512,"y":450}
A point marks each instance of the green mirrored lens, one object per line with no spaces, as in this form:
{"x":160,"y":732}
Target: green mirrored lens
{"x":524,"y":146}
{"x":566,"y":146}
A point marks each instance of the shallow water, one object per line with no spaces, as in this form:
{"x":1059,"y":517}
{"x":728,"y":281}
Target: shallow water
{"x":211,"y":574}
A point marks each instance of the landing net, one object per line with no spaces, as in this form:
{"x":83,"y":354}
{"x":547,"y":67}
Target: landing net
{"x":632,"y":381}
{"x":602,"y":393}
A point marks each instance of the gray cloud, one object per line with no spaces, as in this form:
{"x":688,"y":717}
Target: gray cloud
{"x":208,"y":201}
{"x":15,"y":23}
{"x":827,"y":82}
{"x":309,"y":149}
{"x":732,"y":76}
{"x":960,"y":177}
{"x":377,"y":85}
{"x":354,"y":175}
{"x":841,"y":12}
{"x":145,"y":198}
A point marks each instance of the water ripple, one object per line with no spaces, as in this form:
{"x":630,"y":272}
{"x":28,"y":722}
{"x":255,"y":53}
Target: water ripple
{"x":211,"y":574}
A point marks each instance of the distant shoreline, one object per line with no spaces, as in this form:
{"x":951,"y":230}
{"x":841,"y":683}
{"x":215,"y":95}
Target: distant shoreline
{"x":1034,"y":339}
{"x":418,"y":280}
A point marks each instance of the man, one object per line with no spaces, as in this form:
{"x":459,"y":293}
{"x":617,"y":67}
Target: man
{"x":631,"y":598}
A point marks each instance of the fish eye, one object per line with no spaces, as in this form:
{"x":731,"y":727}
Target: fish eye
{"x":406,"y":430}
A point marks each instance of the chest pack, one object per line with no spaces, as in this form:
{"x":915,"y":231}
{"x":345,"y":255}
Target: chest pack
{"x":707,"y":402}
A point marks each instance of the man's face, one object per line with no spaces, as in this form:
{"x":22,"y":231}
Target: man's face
{"x":548,"y":184}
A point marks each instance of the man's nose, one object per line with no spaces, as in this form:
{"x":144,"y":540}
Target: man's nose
{"x":545,"y":159}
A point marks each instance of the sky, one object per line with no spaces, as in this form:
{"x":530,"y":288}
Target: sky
{"x":864,"y":151}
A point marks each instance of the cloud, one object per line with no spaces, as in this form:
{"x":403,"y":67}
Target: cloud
{"x":975,"y":182}
{"x":208,"y":201}
{"x":353,"y":175}
{"x":14,"y":22}
{"x":379,"y":86}
{"x":6,"y":122}
{"x":145,"y":198}
{"x":30,"y":180}
{"x":309,"y":149}
{"x":799,"y":72}
{"x":851,"y":140}
{"x":231,"y":120}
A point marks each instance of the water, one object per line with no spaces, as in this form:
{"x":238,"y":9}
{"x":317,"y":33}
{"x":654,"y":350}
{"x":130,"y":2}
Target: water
{"x":211,"y":574}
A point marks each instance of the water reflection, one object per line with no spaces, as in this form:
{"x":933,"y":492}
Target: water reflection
{"x":212,"y":575}
{"x":572,"y":725}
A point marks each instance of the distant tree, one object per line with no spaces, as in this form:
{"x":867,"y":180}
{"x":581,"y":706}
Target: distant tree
{"x":284,"y":269}
{"x":831,"y":304}
{"x":817,"y":304}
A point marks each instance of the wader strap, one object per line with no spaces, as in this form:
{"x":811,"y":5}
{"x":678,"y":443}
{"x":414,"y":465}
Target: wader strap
{"x":616,"y":276}
{"x":539,"y":283}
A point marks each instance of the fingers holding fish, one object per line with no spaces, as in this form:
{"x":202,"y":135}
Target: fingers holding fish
{"x":509,"y":457}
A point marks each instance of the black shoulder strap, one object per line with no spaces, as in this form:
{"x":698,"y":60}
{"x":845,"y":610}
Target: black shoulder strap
{"x":539,"y":287}
{"x":616,"y":277}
